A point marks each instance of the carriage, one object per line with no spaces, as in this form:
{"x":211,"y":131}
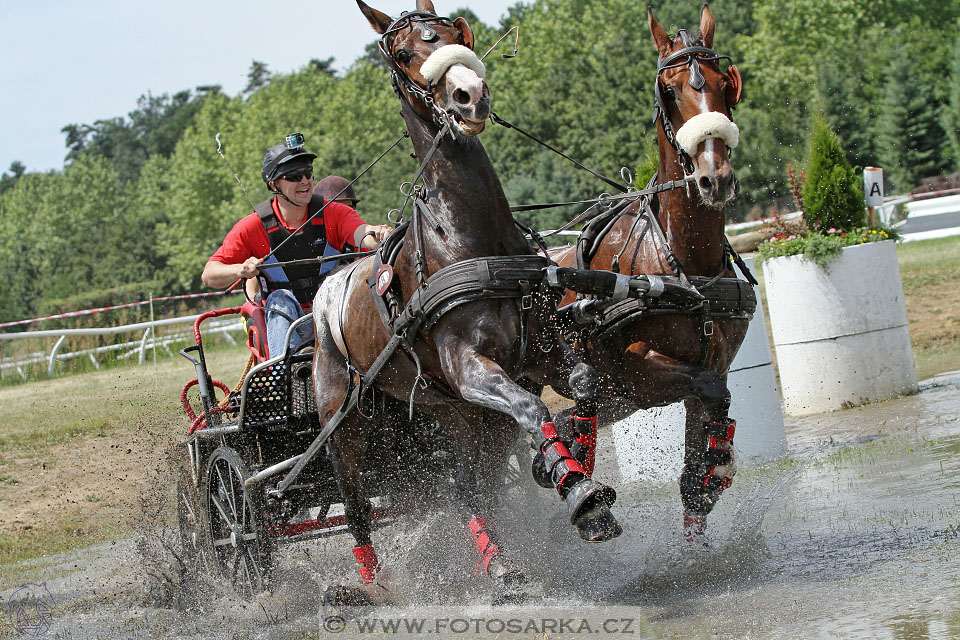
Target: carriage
{"x":450,"y":306}
{"x":230,"y":513}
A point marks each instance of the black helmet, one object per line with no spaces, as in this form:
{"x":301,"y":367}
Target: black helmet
{"x":285,"y":157}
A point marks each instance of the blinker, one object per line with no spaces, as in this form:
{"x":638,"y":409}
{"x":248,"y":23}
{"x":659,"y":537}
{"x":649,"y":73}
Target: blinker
{"x":696,"y":76}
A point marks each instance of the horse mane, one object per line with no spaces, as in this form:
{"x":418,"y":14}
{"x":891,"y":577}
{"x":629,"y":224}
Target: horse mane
{"x":687,"y":39}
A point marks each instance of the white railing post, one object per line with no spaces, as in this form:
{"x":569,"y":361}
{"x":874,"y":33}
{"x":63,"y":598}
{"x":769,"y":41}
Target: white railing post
{"x":53,"y":355}
{"x":143,"y":345}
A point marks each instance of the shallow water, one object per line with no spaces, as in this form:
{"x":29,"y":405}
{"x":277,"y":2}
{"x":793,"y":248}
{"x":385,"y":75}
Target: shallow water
{"x":854,"y":534}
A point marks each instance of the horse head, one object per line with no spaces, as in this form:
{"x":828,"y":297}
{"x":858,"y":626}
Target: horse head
{"x":694,"y":98}
{"x":433,"y":65}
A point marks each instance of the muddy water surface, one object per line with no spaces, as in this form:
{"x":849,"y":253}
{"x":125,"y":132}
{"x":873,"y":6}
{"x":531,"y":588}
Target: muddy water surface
{"x":854,"y":534}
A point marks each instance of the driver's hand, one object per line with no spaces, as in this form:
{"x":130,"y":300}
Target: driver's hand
{"x":381,"y":231}
{"x":250,"y":267}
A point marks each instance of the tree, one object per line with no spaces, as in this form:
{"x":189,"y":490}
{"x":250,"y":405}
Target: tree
{"x":910,"y":134}
{"x":848,"y":110}
{"x":257,"y":78}
{"x":950,"y":117}
{"x":832,"y":195}
{"x":325,"y":66}
{"x":154,"y":127}
{"x":17,"y":169}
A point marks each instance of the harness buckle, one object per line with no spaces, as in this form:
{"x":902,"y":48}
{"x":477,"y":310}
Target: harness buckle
{"x":708,"y":328}
{"x":526,"y":298}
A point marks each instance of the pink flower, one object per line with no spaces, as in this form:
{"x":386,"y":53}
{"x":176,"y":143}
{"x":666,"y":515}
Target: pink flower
{"x":831,"y":230}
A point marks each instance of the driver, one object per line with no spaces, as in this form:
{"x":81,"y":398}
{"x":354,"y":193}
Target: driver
{"x":287,"y":293}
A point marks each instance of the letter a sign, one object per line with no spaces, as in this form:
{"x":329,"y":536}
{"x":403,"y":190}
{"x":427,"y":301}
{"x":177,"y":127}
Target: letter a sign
{"x":873,"y":186}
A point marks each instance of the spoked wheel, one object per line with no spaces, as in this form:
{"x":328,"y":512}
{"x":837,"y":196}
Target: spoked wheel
{"x":242,"y":550}
{"x":516,"y":475}
{"x":192,"y":527}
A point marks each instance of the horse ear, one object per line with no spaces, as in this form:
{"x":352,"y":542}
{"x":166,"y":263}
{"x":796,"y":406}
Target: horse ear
{"x":734,"y":86}
{"x":426,"y":5}
{"x":377,"y":19}
{"x":466,"y":33}
{"x":661,"y":39}
{"x":707,"y":26}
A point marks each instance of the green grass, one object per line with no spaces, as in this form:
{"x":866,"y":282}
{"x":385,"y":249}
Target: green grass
{"x":929,"y":262}
{"x":37,"y":415}
{"x":930,"y":270}
{"x":64,"y":536}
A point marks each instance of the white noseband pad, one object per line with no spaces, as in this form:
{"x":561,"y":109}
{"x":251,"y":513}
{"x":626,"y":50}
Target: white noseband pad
{"x":447,"y":56}
{"x":704,"y":126}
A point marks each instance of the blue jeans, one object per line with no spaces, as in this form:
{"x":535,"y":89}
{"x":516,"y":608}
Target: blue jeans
{"x":283,"y":300}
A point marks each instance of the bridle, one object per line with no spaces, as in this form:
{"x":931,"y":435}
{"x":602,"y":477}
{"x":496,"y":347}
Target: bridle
{"x":692,"y":55}
{"x":398,"y":78}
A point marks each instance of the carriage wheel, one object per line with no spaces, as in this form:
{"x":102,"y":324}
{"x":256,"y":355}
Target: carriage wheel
{"x":242,"y":551}
{"x":192,"y":527}
{"x":516,"y":476}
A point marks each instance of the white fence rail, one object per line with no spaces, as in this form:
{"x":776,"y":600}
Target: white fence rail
{"x":149,"y":340}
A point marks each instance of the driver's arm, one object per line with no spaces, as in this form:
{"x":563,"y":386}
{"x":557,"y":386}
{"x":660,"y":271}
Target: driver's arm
{"x":218,"y":275}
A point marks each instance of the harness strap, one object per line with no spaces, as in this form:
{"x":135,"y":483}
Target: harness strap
{"x":725,"y":298}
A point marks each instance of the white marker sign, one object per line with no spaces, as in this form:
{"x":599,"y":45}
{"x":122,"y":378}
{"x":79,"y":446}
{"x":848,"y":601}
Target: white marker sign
{"x":873,"y":186}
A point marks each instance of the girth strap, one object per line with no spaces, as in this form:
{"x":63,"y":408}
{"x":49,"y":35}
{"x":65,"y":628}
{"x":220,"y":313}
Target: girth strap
{"x":478,"y":278}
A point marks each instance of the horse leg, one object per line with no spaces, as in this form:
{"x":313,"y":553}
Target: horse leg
{"x":481,"y":381}
{"x":708,"y":462}
{"x":577,"y":430}
{"x":346,"y":448}
{"x":482,"y":454}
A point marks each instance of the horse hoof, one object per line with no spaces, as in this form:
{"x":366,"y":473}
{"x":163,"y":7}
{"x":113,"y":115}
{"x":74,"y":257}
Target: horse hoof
{"x":540,"y":473}
{"x":596,"y":523}
{"x":584,"y":494}
{"x":510,"y":589}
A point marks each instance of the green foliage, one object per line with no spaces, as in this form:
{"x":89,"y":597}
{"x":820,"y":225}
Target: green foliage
{"x":17,"y":169}
{"x":101,"y":297}
{"x":848,"y":108}
{"x":950,"y":117}
{"x":152,"y":129}
{"x":258,"y":77}
{"x":911,"y":135}
{"x":146,"y":197}
{"x":832,"y":195}
{"x":822,"y":247}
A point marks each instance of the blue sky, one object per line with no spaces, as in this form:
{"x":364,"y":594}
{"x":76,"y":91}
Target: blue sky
{"x":79,"y":61}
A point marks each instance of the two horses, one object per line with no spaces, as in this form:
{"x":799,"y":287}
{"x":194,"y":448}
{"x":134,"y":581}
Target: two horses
{"x":453,"y":309}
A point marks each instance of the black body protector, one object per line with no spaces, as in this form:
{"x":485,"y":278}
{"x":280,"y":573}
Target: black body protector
{"x":309,"y":242}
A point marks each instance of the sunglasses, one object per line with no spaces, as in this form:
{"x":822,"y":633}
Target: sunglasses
{"x":296,"y":176}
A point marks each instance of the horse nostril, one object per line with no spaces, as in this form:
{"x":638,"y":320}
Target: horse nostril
{"x":706,"y":184}
{"x":461,"y":96}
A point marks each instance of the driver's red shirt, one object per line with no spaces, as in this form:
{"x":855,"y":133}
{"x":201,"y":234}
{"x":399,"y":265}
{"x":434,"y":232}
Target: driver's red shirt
{"x":248,"y":238}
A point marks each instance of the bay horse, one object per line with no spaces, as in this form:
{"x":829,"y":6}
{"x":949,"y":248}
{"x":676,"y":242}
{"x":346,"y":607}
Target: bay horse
{"x":449,"y":313}
{"x":651,"y":356}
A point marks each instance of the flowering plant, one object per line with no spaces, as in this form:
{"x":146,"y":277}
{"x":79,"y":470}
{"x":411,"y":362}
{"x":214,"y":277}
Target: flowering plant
{"x":822,"y":247}
{"x":829,"y":195}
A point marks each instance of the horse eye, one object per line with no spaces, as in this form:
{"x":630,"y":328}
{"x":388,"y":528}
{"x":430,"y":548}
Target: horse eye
{"x":404,"y":56}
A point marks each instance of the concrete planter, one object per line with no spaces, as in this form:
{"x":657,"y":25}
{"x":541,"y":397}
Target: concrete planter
{"x":840,"y":335}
